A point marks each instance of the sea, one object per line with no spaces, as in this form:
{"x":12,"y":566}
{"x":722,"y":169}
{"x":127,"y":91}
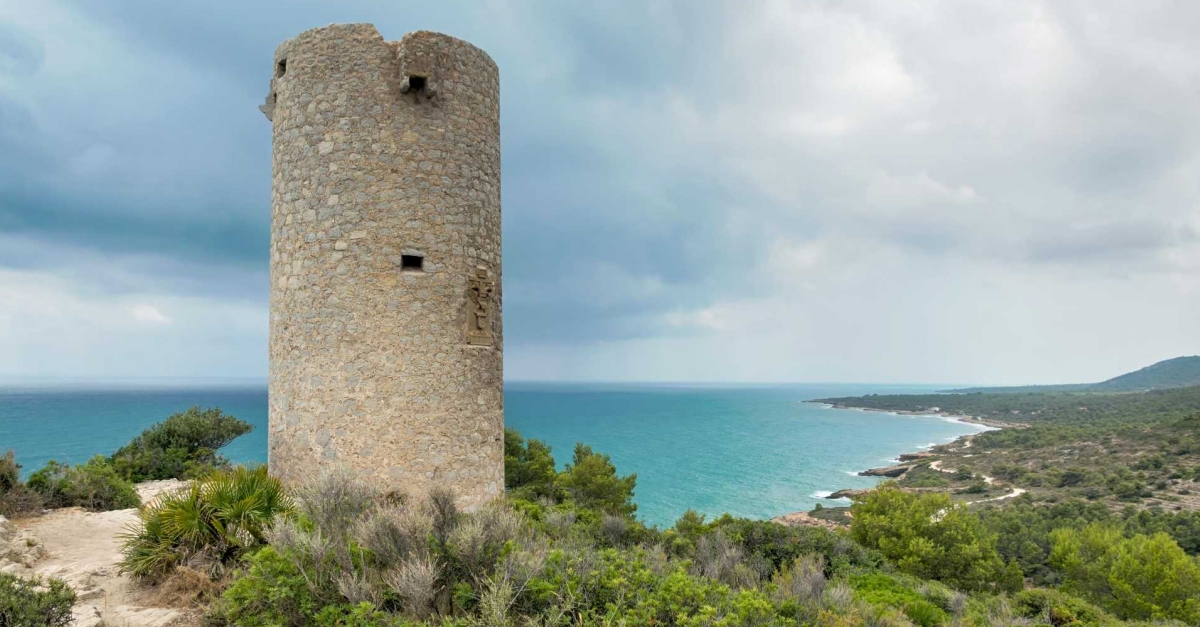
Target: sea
{"x":750,"y":450}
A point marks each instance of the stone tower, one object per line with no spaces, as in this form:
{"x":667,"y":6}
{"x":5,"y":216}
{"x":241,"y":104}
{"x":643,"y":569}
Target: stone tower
{"x":386,"y":342}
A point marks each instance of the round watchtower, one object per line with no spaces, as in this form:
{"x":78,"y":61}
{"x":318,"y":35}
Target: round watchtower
{"x":386,"y":342}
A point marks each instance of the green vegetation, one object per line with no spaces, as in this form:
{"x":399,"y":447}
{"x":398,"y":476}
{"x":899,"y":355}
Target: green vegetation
{"x":16,"y":499}
{"x":590,"y":479}
{"x":34,"y":603}
{"x":351,"y":556}
{"x":566,"y":549}
{"x":1171,"y":373}
{"x":1118,"y":449}
{"x":928,"y":536}
{"x":884,"y":591}
{"x":95,"y":486}
{"x":1103,"y":534}
{"x":1110,"y":518}
{"x":528,"y":467}
{"x":1139,"y":577}
{"x":207,"y":525}
{"x":182,"y":446}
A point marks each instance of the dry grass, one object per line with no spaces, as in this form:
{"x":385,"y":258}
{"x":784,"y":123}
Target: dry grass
{"x":415,"y":581}
{"x":187,"y":588}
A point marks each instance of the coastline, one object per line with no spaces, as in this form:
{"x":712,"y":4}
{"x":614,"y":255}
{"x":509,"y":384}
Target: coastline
{"x":904,"y":460}
{"x":994,"y":424}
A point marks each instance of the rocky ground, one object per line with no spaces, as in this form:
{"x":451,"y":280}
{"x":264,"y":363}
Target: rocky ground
{"x":805,"y":519}
{"x":83,"y":548}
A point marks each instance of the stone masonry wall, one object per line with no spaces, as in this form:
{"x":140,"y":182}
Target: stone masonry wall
{"x":391,"y":371}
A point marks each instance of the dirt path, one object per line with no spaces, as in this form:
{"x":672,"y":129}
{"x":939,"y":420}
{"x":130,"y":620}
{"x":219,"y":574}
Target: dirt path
{"x":1015,"y":492}
{"x":83,"y":548}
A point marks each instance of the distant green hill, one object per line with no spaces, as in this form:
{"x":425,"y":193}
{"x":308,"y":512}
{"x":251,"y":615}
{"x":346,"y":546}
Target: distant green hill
{"x":1171,"y":373}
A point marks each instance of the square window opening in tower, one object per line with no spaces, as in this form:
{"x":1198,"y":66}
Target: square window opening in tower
{"x":416,"y":83}
{"x":412,"y":263}
{"x":281,"y":68}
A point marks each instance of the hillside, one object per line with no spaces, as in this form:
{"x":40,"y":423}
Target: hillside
{"x":1135,"y":448}
{"x":1171,"y":373}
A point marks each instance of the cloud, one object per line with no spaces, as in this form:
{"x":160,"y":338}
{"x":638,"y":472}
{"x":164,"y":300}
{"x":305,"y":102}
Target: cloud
{"x":149,"y":314}
{"x":47,"y":322}
{"x":701,"y":190}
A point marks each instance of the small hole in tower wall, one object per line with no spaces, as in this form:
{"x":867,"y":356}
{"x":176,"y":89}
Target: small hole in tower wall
{"x":412,"y":263}
{"x":281,"y":68}
{"x":416,"y":83}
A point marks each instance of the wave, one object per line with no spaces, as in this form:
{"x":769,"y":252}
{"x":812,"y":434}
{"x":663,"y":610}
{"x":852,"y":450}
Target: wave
{"x":821,"y":494}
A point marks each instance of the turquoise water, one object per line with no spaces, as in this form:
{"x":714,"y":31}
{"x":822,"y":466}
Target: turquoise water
{"x":756,"y":451}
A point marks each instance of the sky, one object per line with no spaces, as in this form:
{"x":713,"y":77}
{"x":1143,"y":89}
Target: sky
{"x":957,"y":191}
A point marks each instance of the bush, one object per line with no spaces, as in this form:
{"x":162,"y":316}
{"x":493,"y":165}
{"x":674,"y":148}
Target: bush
{"x":32,"y":603}
{"x":1141,"y":577}
{"x":94,"y":486}
{"x":348,"y":545}
{"x":211,"y":523}
{"x":591,"y":481}
{"x":10,"y":472}
{"x":1057,"y":608}
{"x":183,"y":446}
{"x":778,"y":545}
{"x":529,"y":471}
{"x":272,"y":590}
{"x":928,"y":536}
{"x":884,"y":591}
{"x":16,"y":499}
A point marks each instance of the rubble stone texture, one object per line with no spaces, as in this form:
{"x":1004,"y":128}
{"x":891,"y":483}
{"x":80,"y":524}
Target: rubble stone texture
{"x":386,"y":339}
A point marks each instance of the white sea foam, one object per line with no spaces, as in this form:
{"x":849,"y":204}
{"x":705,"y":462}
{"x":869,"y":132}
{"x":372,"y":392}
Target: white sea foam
{"x":821,"y":494}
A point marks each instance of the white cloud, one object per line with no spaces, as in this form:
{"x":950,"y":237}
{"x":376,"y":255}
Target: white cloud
{"x":143,"y":312}
{"x":50,"y":326}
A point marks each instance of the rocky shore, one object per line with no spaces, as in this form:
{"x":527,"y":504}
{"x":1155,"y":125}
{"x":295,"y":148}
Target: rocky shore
{"x":907,"y":460}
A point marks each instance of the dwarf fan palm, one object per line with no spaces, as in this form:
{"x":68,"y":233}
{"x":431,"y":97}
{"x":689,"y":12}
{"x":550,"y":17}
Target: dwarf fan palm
{"x":212,"y":521}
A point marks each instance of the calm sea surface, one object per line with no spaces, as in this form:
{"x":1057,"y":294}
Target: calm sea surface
{"x":756,"y":451}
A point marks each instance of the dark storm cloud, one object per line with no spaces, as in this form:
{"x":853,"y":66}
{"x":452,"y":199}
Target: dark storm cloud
{"x":596,"y":244}
{"x":660,"y":158}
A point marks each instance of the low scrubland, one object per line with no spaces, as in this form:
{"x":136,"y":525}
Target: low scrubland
{"x":184,"y":446}
{"x":565,"y":547}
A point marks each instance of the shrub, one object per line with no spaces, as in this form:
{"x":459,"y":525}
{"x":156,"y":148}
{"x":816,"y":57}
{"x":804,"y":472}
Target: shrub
{"x":975,"y":487}
{"x":10,"y":472}
{"x":1141,"y":577}
{"x":803,"y":580}
{"x":1057,"y":608}
{"x":529,"y":468}
{"x":335,"y":501}
{"x":271,"y":591}
{"x":720,"y":559}
{"x":349,"y":546}
{"x":94,"y":486}
{"x":182,"y":446}
{"x":591,"y":481}
{"x":210,"y":523}
{"x":33,"y":603}
{"x":883,"y":591}
{"x":928,"y":536}
{"x":16,"y":499}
